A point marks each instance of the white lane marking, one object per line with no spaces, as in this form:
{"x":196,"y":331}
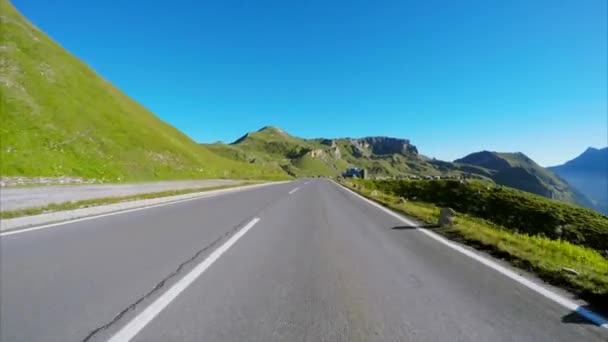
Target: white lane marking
{"x":590,"y":315}
{"x":294,"y":190}
{"x":139,"y":322}
{"x":222,"y":192}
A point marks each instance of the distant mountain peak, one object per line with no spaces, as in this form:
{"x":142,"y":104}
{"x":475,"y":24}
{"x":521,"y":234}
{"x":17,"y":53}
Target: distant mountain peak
{"x":592,"y":158}
{"x":265,"y":132}
{"x":487,"y":159}
{"x":270,"y":128}
{"x":589,"y":174}
{"x":591,"y":150}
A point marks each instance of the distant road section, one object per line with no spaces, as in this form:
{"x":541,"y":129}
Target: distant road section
{"x":19,"y":198}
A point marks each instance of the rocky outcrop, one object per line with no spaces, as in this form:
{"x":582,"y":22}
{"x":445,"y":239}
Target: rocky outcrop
{"x":385,"y":145}
{"x":329,"y":142}
{"x":317,"y":153}
{"x":336,"y":152}
{"x":447,"y":216}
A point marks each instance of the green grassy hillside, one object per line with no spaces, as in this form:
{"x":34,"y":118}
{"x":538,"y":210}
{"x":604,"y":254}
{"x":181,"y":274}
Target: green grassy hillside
{"x":276,"y":149}
{"x":511,"y":208}
{"x":60,"y":118}
{"x":518,"y":171}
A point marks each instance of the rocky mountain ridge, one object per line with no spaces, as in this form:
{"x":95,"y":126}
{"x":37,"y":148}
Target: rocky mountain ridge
{"x":389,"y":157}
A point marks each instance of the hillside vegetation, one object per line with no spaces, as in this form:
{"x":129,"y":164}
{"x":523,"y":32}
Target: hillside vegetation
{"x":517,"y":210}
{"x":58,"y":117}
{"x":274,"y":148}
{"x":518,"y":171}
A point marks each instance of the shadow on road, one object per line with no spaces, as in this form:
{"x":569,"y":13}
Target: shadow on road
{"x":428,"y":226}
{"x":576,"y":318}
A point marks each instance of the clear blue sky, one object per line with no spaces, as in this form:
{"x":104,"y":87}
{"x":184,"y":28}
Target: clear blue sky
{"x":452,"y":76}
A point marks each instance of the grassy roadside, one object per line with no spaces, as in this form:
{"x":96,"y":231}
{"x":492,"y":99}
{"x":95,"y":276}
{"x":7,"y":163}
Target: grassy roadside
{"x":541,"y":255}
{"x":109,"y":200}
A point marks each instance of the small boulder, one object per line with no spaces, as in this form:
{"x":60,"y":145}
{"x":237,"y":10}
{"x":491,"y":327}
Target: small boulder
{"x":375,"y":193}
{"x":446,"y":217}
{"x":570,"y":271}
{"x":559,"y":230}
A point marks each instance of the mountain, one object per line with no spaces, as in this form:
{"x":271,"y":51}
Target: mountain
{"x":518,"y":171}
{"x":59,"y":118}
{"x":272,"y":147}
{"x":384,"y":157}
{"x":588,"y":173}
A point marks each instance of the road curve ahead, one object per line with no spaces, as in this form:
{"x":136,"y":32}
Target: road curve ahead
{"x":299,"y":261}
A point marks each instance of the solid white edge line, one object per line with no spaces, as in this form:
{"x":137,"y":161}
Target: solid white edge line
{"x":294,"y":190}
{"x":590,"y":315}
{"x":92,"y":217}
{"x":140,"y":321}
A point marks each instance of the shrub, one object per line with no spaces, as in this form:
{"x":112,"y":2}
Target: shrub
{"x":517,"y":210}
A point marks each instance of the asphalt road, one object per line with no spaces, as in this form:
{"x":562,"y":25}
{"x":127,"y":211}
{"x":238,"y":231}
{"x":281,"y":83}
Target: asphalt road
{"x":300,"y":261}
{"x":27,"y":197}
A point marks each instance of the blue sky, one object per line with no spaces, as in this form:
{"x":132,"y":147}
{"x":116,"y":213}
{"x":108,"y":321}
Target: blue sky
{"x":453,"y":76}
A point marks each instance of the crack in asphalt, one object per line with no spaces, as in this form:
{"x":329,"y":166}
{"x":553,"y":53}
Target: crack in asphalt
{"x":175,"y":273}
{"x":155,"y":289}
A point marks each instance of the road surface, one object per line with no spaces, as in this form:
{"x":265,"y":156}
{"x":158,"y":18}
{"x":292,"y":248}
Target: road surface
{"x":299,"y":261}
{"x":27,"y":197}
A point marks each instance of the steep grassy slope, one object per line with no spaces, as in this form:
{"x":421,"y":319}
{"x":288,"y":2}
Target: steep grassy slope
{"x":518,"y":171}
{"x":588,"y":173}
{"x":58,"y":117}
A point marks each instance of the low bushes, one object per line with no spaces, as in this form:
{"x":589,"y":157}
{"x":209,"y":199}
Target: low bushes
{"x":517,"y":210}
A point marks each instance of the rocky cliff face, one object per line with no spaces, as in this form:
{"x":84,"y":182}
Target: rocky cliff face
{"x":378,"y":145}
{"x":387,"y":145}
{"x":367,"y":146}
